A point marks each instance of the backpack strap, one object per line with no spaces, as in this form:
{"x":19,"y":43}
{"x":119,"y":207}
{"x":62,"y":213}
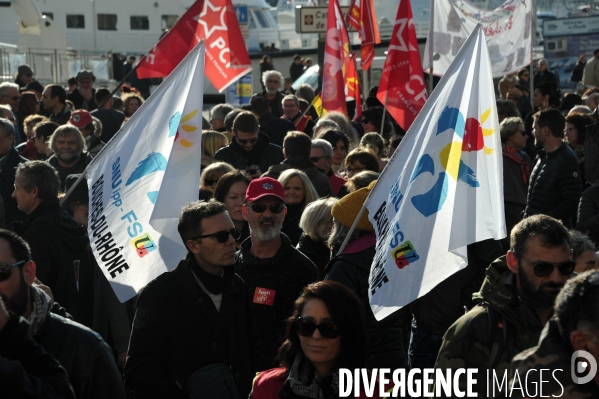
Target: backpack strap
{"x":497,"y":335}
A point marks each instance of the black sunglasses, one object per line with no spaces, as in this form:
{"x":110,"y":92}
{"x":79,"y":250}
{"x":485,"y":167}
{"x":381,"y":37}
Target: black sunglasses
{"x":251,"y":141}
{"x":6,"y":269}
{"x":316,"y":159}
{"x":364,"y":121}
{"x":544,"y":269}
{"x":223,"y":236}
{"x":327,"y":328}
{"x":210,"y":182}
{"x":274,"y":208}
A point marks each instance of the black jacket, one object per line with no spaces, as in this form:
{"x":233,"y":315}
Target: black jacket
{"x":275,"y":128}
{"x":78,"y":99}
{"x":554,"y":188}
{"x":264,"y":154}
{"x":319,"y":180}
{"x":291,"y":222}
{"x":63,"y":172}
{"x":56,"y":243}
{"x":7,"y":186}
{"x":26,"y":369}
{"x":63,"y":117}
{"x":177,"y":330}
{"x":89,"y":362}
{"x":316,"y":251}
{"x":385,"y":337}
{"x":285,"y":275}
{"x":111,"y":119}
{"x":588,"y":213}
{"x":276,"y":104}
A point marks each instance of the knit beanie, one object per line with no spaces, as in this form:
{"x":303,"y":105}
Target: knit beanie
{"x":347,"y":209}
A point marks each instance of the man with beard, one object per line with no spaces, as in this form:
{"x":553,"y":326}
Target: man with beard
{"x":554,"y":188}
{"x":516,"y":301}
{"x":275,"y":272}
{"x":273,"y":80}
{"x":69,"y":157}
{"x":88,"y":361}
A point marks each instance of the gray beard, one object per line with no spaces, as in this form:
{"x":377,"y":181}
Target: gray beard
{"x":69,"y":158}
{"x":265,"y":233}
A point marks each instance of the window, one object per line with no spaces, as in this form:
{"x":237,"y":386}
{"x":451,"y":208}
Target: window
{"x":106,"y":21}
{"x":48,"y":15}
{"x":262,"y":19}
{"x":167,"y":21}
{"x":75,"y":21}
{"x":140,"y":23}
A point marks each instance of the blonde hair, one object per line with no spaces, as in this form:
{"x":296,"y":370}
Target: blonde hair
{"x":361,"y":180}
{"x":315,"y":217}
{"x":310,"y":194}
{"x":374,"y":142}
{"x":212,"y":141}
{"x":214,"y":170}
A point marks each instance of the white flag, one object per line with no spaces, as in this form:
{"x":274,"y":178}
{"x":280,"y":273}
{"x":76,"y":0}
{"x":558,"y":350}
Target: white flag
{"x":443,"y":187}
{"x":507,"y":29}
{"x":139,"y":182}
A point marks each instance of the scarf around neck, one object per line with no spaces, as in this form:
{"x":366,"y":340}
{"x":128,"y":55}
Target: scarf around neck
{"x":518,"y":157}
{"x":40,"y":309}
{"x":304,"y":380}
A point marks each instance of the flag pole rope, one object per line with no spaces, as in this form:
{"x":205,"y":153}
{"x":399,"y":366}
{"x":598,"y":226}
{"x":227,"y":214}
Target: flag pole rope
{"x":384,"y":113}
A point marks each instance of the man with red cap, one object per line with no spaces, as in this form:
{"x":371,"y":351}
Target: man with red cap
{"x":83,"y":121}
{"x":274,"y":271}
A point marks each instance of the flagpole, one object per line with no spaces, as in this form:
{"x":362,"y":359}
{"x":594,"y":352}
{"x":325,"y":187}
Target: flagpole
{"x":81,"y":177}
{"x":430,"y":46}
{"x":384,"y":113}
{"x":533,"y":36}
{"x":351,"y":230}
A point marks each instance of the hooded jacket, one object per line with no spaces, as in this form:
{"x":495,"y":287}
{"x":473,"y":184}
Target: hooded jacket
{"x":59,"y":248}
{"x":385,"y":337}
{"x":7,"y":185}
{"x":264,"y":154}
{"x":555,"y":354}
{"x":466,"y":343}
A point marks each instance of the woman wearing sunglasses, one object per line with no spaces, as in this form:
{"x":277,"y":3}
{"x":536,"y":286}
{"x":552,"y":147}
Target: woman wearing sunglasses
{"x":325,"y":333}
{"x":230,"y":190}
{"x":210,"y":176}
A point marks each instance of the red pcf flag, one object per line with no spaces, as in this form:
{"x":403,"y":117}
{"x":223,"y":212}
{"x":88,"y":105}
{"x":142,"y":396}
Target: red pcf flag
{"x":215,"y":22}
{"x":353,"y":15}
{"x":402,"y":88}
{"x":336,"y":59}
{"x":369,"y":33}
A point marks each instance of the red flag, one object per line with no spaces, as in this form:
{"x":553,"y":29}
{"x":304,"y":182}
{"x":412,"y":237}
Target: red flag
{"x":353,"y":86}
{"x":215,"y":22}
{"x":353,"y":15}
{"x":336,"y":59}
{"x":402,"y":89}
{"x":369,"y":33}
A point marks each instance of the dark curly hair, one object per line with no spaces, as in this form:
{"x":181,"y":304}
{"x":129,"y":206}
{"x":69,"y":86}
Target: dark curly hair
{"x":348,"y":314}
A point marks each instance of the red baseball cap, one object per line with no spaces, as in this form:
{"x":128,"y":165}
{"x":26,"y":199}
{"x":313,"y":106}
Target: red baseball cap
{"x":80,"y":118}
{"x":263,"y":187}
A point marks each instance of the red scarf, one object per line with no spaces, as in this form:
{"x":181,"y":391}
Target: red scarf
{"x":518,"y":157}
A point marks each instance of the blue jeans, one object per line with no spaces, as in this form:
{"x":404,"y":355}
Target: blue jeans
{"x":424,"y":348}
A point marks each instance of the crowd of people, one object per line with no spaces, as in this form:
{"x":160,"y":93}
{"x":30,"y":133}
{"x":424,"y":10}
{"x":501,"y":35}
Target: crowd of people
{"x":267,"y":303}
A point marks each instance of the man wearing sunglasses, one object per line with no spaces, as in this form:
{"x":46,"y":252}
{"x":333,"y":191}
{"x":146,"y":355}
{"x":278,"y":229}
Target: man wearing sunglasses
{"x":274,"y":271}
{"x":574,"y":327}
{"x":516,"y":301}
{"x":87,"y":359}
{"x":194,"y":316}
{"x":250,"y":150}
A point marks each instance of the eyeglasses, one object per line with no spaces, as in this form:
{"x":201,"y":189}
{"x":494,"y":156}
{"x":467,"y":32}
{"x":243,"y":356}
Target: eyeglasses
{"x":316,"y":159}
{"x":223,"y":236}
{"x":362,"y":121}
{"x":544,"y":269}
{"x":274,"y":208}
{"x":6,"y":269}
{"x":327,"y":328}
{"x":251,"y":141}
{"x":273,"y":81}
{"x":355,"y":169}
{"x":210,"y":182}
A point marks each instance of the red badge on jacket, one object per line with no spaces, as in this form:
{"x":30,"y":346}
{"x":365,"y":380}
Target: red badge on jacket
{"x":264,"y":296}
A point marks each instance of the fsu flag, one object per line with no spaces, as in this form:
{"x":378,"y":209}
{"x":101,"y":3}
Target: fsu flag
{"x":336,"y":59}
{"x":443,"y":187}
{"x":402,"y":88}
{"x":214,"y":21}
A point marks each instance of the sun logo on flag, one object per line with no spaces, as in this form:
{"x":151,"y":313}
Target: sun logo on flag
{"x":472,"y":134}
{"x":183,"y":132}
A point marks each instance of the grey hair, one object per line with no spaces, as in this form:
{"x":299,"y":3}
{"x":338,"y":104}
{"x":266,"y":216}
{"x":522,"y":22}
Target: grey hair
{"x":581,"y":109}
{"x":542,"y":61}
{"x":339,"y":233}
{"x":305,"y":91}
{"x":344,"y":125}
{"x":291,"y":97}
{"x":324,"y":124}
{"x":66,"y":130}
{"x":581,"y":243}
{"x":4,"y":87}
{"x":315,"y":217}
{"x":220,"y":111}
{"x":266,"y":74}
{"x":39,"y":174}
{"x":7,"y":127}
{"x":324,"y":146}
{"x":509,"y":126}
